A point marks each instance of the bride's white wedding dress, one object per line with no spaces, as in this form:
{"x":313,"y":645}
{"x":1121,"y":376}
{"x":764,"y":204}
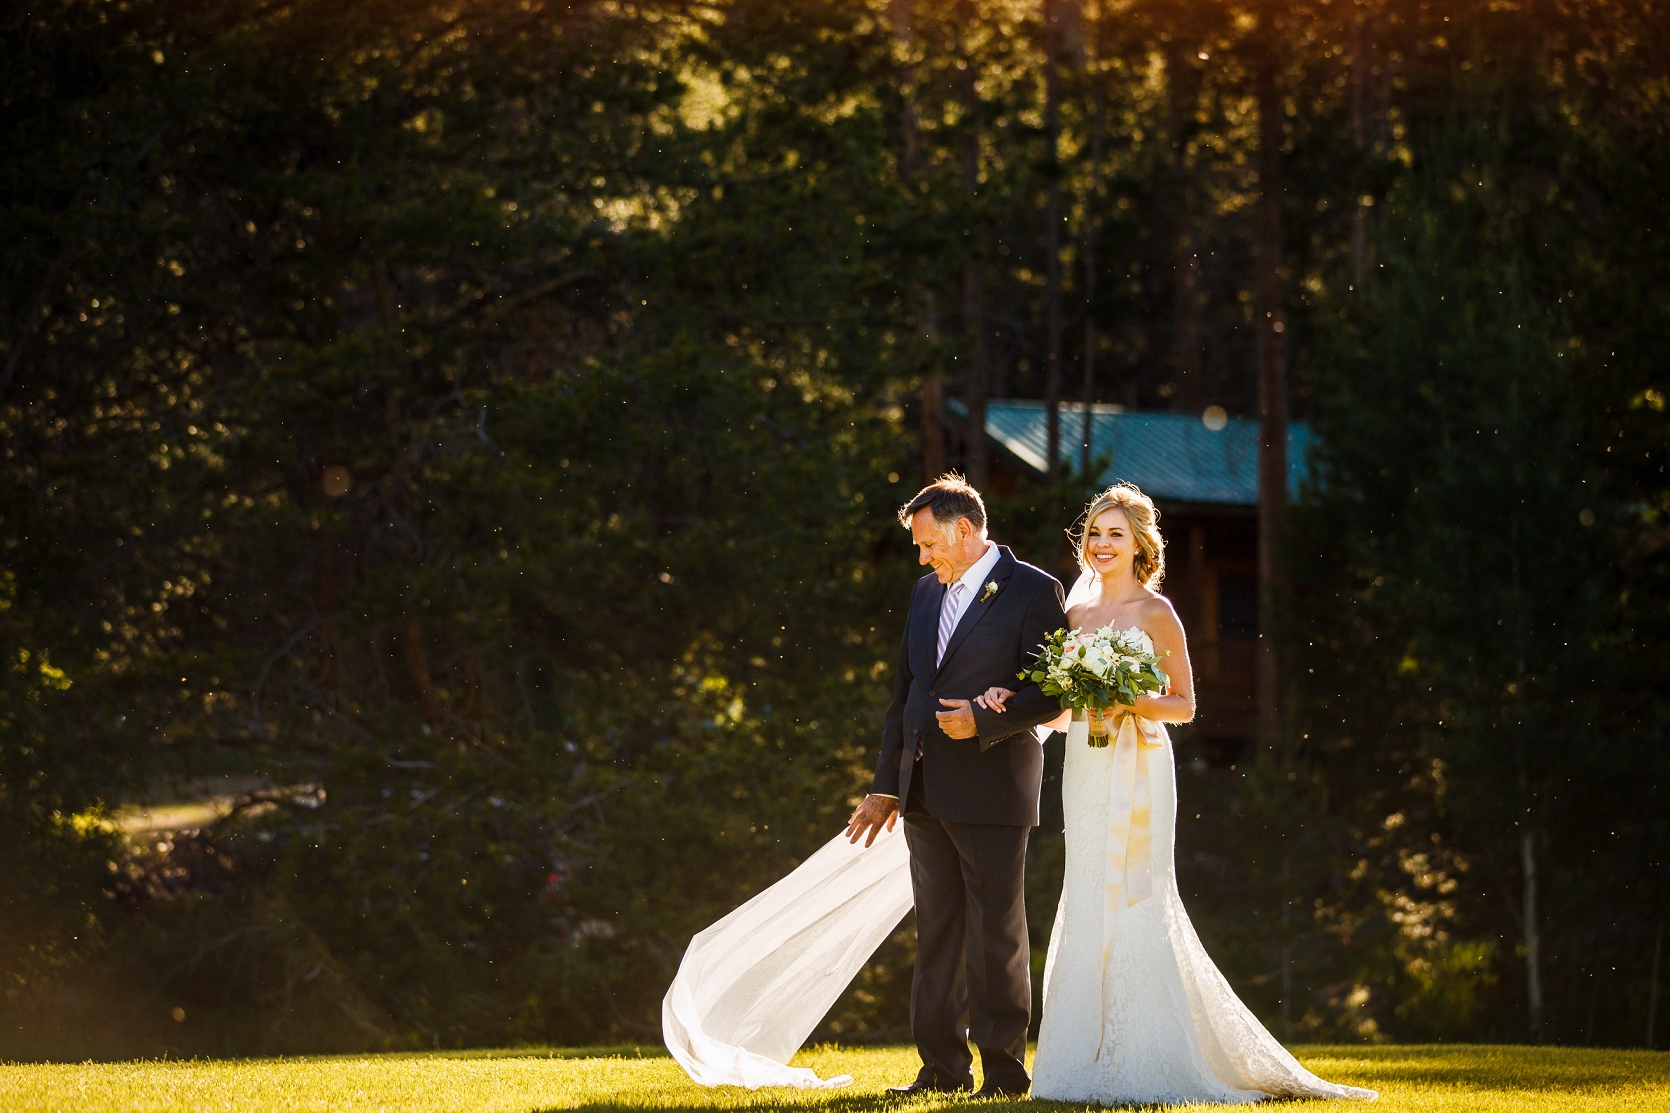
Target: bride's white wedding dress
{"x":1134,"y":1010}
{"x":1153,"y":1021}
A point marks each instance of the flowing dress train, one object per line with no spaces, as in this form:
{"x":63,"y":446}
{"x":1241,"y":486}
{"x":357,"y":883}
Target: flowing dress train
{"x":753,"y":986}
{"x":1155,"y":1021}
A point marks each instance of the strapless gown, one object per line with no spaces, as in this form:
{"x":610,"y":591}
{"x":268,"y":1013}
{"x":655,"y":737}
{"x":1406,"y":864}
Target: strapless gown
{"x":1156,"y":1021}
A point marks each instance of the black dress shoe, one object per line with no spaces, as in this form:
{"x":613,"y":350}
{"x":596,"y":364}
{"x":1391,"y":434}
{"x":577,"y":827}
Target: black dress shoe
{"x":921,"y":1087}
{"x":995,"y":1090}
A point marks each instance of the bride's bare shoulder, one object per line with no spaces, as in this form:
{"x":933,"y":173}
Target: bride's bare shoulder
{"x":1159,"y":616}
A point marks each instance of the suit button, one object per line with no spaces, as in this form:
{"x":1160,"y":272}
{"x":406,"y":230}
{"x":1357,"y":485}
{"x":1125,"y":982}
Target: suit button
{"x":932,"y":694}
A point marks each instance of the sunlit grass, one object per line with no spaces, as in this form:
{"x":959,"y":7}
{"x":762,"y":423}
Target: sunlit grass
{"x":1440,"y":1079}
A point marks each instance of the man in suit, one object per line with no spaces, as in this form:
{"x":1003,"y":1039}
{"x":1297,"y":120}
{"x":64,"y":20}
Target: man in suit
{"x":968,"y":779}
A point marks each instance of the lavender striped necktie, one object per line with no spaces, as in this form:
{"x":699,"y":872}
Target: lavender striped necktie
{"x":947,"y":619}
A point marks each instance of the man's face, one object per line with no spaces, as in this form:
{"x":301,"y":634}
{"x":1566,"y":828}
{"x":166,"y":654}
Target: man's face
{"x":942,"y":549}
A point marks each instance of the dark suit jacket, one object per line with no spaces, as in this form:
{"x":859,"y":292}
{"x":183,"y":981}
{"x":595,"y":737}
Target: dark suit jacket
{"x":995,"y":776}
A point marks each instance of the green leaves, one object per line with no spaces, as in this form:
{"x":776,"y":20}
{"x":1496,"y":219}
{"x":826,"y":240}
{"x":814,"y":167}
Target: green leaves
{"x":1459,"y":597}
{"x":1097,"y":670}
{"x":492,"y":415}
{"x":423,"y":413}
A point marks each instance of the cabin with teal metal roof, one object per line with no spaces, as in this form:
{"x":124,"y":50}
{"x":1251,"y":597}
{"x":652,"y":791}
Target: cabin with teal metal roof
{"x":1178,"y":458}
{"x":1202,"y":472}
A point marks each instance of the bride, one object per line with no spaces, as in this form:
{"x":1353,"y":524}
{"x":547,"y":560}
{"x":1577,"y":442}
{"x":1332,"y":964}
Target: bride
{"x":1134,"y":1010}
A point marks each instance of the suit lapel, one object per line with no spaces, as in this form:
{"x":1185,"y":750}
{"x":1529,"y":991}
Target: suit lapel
{"x":924,"y":630}
{"x":979,"y":605}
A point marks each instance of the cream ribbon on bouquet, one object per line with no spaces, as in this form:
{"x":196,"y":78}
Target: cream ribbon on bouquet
{"x":1130,"y":837}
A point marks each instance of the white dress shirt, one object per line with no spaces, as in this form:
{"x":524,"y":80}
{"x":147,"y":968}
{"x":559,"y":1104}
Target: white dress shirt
{"x":972,"y":582}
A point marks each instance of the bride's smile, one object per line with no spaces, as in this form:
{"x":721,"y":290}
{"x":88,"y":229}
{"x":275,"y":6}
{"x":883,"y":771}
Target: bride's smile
{"x":1107,"y":541}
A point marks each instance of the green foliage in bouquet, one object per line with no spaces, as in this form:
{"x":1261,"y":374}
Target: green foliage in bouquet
{"x":1103,"y":669}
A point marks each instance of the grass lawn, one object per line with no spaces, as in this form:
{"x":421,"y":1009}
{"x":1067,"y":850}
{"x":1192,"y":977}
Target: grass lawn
{"x":1434,"y":1079}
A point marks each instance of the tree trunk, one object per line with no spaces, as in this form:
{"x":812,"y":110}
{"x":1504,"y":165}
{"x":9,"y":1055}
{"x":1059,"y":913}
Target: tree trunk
{"x":1533,"y":933}
{"x":1362,"y":57}
{"x":1052,"y":242}
{"x":909,"y":145}
{"x":977,"y":372}
{"x":1182,"y":92}
{"x":379,"y":285}
{"x":327,"y":603}
{"x":1652,"y":984}
{"x":417,"y":667}
{"x":1191,"y":393}
{"x":1194,"y":600}
{"x":1287,"y":947}
{"x":1091,"y":226}
{"x":1272,"y":386}
{"x":1594,"y":1010}
{"x":976,"y":377}
{"x":933,"y":432}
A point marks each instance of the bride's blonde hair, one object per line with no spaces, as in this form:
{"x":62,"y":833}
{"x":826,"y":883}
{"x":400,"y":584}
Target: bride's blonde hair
{"x":1149,"y":566}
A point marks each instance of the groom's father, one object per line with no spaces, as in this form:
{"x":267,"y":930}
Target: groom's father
{"x":968,"y":779}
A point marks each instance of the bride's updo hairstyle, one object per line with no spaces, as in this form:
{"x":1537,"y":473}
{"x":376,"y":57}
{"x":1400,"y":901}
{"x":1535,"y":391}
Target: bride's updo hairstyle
{"x":1150,"y":563}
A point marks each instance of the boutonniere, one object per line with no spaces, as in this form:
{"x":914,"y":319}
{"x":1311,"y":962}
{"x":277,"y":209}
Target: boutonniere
{"x":991,"y":590}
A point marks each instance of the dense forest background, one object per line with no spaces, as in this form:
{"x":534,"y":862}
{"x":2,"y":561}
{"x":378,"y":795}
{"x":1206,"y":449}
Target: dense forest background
{"x":463,"y":438}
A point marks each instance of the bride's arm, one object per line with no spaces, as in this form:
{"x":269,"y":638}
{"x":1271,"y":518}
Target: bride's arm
{"x":994,"y":698}
{"x":1172,"y":647}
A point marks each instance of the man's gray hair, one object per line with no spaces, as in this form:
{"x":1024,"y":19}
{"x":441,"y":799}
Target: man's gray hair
{"x":949,"y":497}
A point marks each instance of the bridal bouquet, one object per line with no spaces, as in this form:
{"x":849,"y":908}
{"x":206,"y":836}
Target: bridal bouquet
{"x":1087,"y":671}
